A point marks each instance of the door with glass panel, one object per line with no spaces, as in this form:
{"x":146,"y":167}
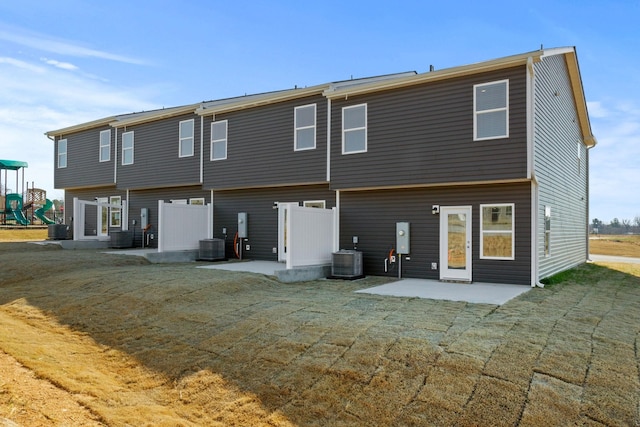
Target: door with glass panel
{"x":103,"y":217}
{"x":455,"y":243}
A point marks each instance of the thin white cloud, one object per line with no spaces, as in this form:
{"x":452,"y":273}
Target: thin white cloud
{"x":47,"y":43}
{"x":59,"y":64}
{"x":46,"y":98}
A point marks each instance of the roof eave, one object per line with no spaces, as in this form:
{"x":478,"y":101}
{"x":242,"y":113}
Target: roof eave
{"x":83,"y":126}
{"x":121,"y":121}
{"x":446,"y":73}
{"x":573,"y":67}
{"x":257,"y":100}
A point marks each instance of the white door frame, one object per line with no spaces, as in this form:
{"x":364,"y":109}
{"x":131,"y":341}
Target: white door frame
{"x":283,"y":217}
{"x":102,"y":207}
{"x":447,"y":270}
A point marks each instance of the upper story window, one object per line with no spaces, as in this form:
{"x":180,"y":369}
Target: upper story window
{"x":186,"y":138}
{"x":105,"y":145}
{"x":497,"y":236}
{"x":127,"y":148}
{"x":305,"y":127}
{"x":62,"y":153}
{"x":219,"y":140}
{"x":354,"y":129}
{"x":491,"y":110}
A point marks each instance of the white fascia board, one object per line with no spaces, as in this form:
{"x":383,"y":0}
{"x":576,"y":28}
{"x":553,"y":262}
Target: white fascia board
{"x":149,"y":116}
{"x":80,"y":127}
{"x":250,"y":101}
{"x":447,"y":73}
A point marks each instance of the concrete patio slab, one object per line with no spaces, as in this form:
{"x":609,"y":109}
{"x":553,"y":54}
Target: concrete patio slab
{"x":481,"y":293}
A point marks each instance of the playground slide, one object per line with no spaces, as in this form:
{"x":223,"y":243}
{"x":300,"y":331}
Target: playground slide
{"x":40,"y":212}
{"x":13,"y":206}
{"x":19,"y":216}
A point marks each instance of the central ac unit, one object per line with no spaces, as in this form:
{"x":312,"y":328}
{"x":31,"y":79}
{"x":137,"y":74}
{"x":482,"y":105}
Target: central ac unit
{"x":346,"y":264}
{"x":211,"y":250}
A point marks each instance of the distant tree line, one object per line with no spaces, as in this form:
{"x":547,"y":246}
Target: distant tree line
{"x":616,"y":226}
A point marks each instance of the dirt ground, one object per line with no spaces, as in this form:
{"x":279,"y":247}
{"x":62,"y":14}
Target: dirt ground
{"x":88,"y":338}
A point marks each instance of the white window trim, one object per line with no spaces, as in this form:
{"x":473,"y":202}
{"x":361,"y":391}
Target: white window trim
{"x":133,"y":144}
{"x":344,"y":131}
{"x":102,"y":145}
{"x":476,"y":113}
{"x":512,"y":231}
{"x":62,"y":154}
{"x":198,"y":201}
{"x":322,"y":204}
{"x":297,"y":128}
{"x":115,"y":200}
{"x":184,"y":139}
{"x":225,"y":140}
{"x":546,"y":243}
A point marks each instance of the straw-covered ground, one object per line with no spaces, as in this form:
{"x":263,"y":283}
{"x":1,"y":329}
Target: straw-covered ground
{"x":93,"y":339}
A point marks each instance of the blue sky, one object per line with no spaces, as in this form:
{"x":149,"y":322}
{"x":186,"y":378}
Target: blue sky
{"x":70,"y":61}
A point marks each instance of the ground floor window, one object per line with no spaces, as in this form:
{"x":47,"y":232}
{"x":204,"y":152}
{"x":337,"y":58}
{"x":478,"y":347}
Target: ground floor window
{"x":547,"y":230}
{"x":115,"y":213}
{"x":197,"y":201}
{"x":497,"y":234}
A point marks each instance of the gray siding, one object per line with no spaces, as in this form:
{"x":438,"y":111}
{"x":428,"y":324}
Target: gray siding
{"x":262,"y":218}
{"x":84,"y":168}
{"x":424,"y":134}
{"x":562,"y":178}
{"x":260,"y":148}
{"x":372,"y":215}
{"x":156,"y":161}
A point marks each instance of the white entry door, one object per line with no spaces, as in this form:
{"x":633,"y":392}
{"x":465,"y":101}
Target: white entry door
{"x":103,"y":217}
{"x":455,"y":243}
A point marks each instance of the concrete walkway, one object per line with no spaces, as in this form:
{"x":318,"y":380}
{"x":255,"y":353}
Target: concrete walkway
{"x":261,"y":267}
{"x":608,"y":258}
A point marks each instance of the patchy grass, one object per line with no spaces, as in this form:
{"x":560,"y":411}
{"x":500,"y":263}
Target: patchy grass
{"x":141,"y":344}
{"x":622,"y":245}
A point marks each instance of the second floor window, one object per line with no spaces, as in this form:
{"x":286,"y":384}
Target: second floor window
{"x":105,"y":145}
{"x":219,"y":140}
{"x":186,"y":138}
{"x":305,"y":127}
{"x":62,"y":153}
{"x":354,"y":129}
{"x":127,"y":148}
{"x":491,"y":110}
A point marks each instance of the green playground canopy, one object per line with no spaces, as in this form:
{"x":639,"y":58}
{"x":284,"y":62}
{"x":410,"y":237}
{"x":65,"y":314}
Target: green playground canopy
{"x":12,"y":165}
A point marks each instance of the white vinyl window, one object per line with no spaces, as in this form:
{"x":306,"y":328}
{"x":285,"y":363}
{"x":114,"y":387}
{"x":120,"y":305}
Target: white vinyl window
{"x":219,"y":140}
{"x":186,"y":139}
{"x":305,"y":127}
{"x":322,"y":204}
{"x":115,"y":213}
{"x":127,"y":148}
{"x":497,"y":231}
{"x":354,"y":129}
{"x":105,"y":145}
{"x":547,"y":231}
{"x":62,"y":153}
{"x":491,"y":110}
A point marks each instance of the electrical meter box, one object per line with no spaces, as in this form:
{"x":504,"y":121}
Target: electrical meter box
{"x":144,"y":217}
{"x":402,"y":238}
{"x":243,"y":226}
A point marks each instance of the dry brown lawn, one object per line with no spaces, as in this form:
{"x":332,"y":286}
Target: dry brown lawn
{"x":23,"y":234}
{"x":88,"y":338}
{"x":623,"y":245}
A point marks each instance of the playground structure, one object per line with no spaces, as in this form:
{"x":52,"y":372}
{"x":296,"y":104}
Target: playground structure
{"x":22,"y":208}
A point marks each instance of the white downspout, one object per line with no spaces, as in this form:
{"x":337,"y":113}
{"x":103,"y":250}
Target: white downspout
{"x":201,"y":149}
{"x":328,"y":140}
{"x":115,"y":157}
{"x":531,"y":173}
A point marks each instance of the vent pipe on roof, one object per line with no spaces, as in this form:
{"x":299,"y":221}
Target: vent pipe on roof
{"x":432,"y":68}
